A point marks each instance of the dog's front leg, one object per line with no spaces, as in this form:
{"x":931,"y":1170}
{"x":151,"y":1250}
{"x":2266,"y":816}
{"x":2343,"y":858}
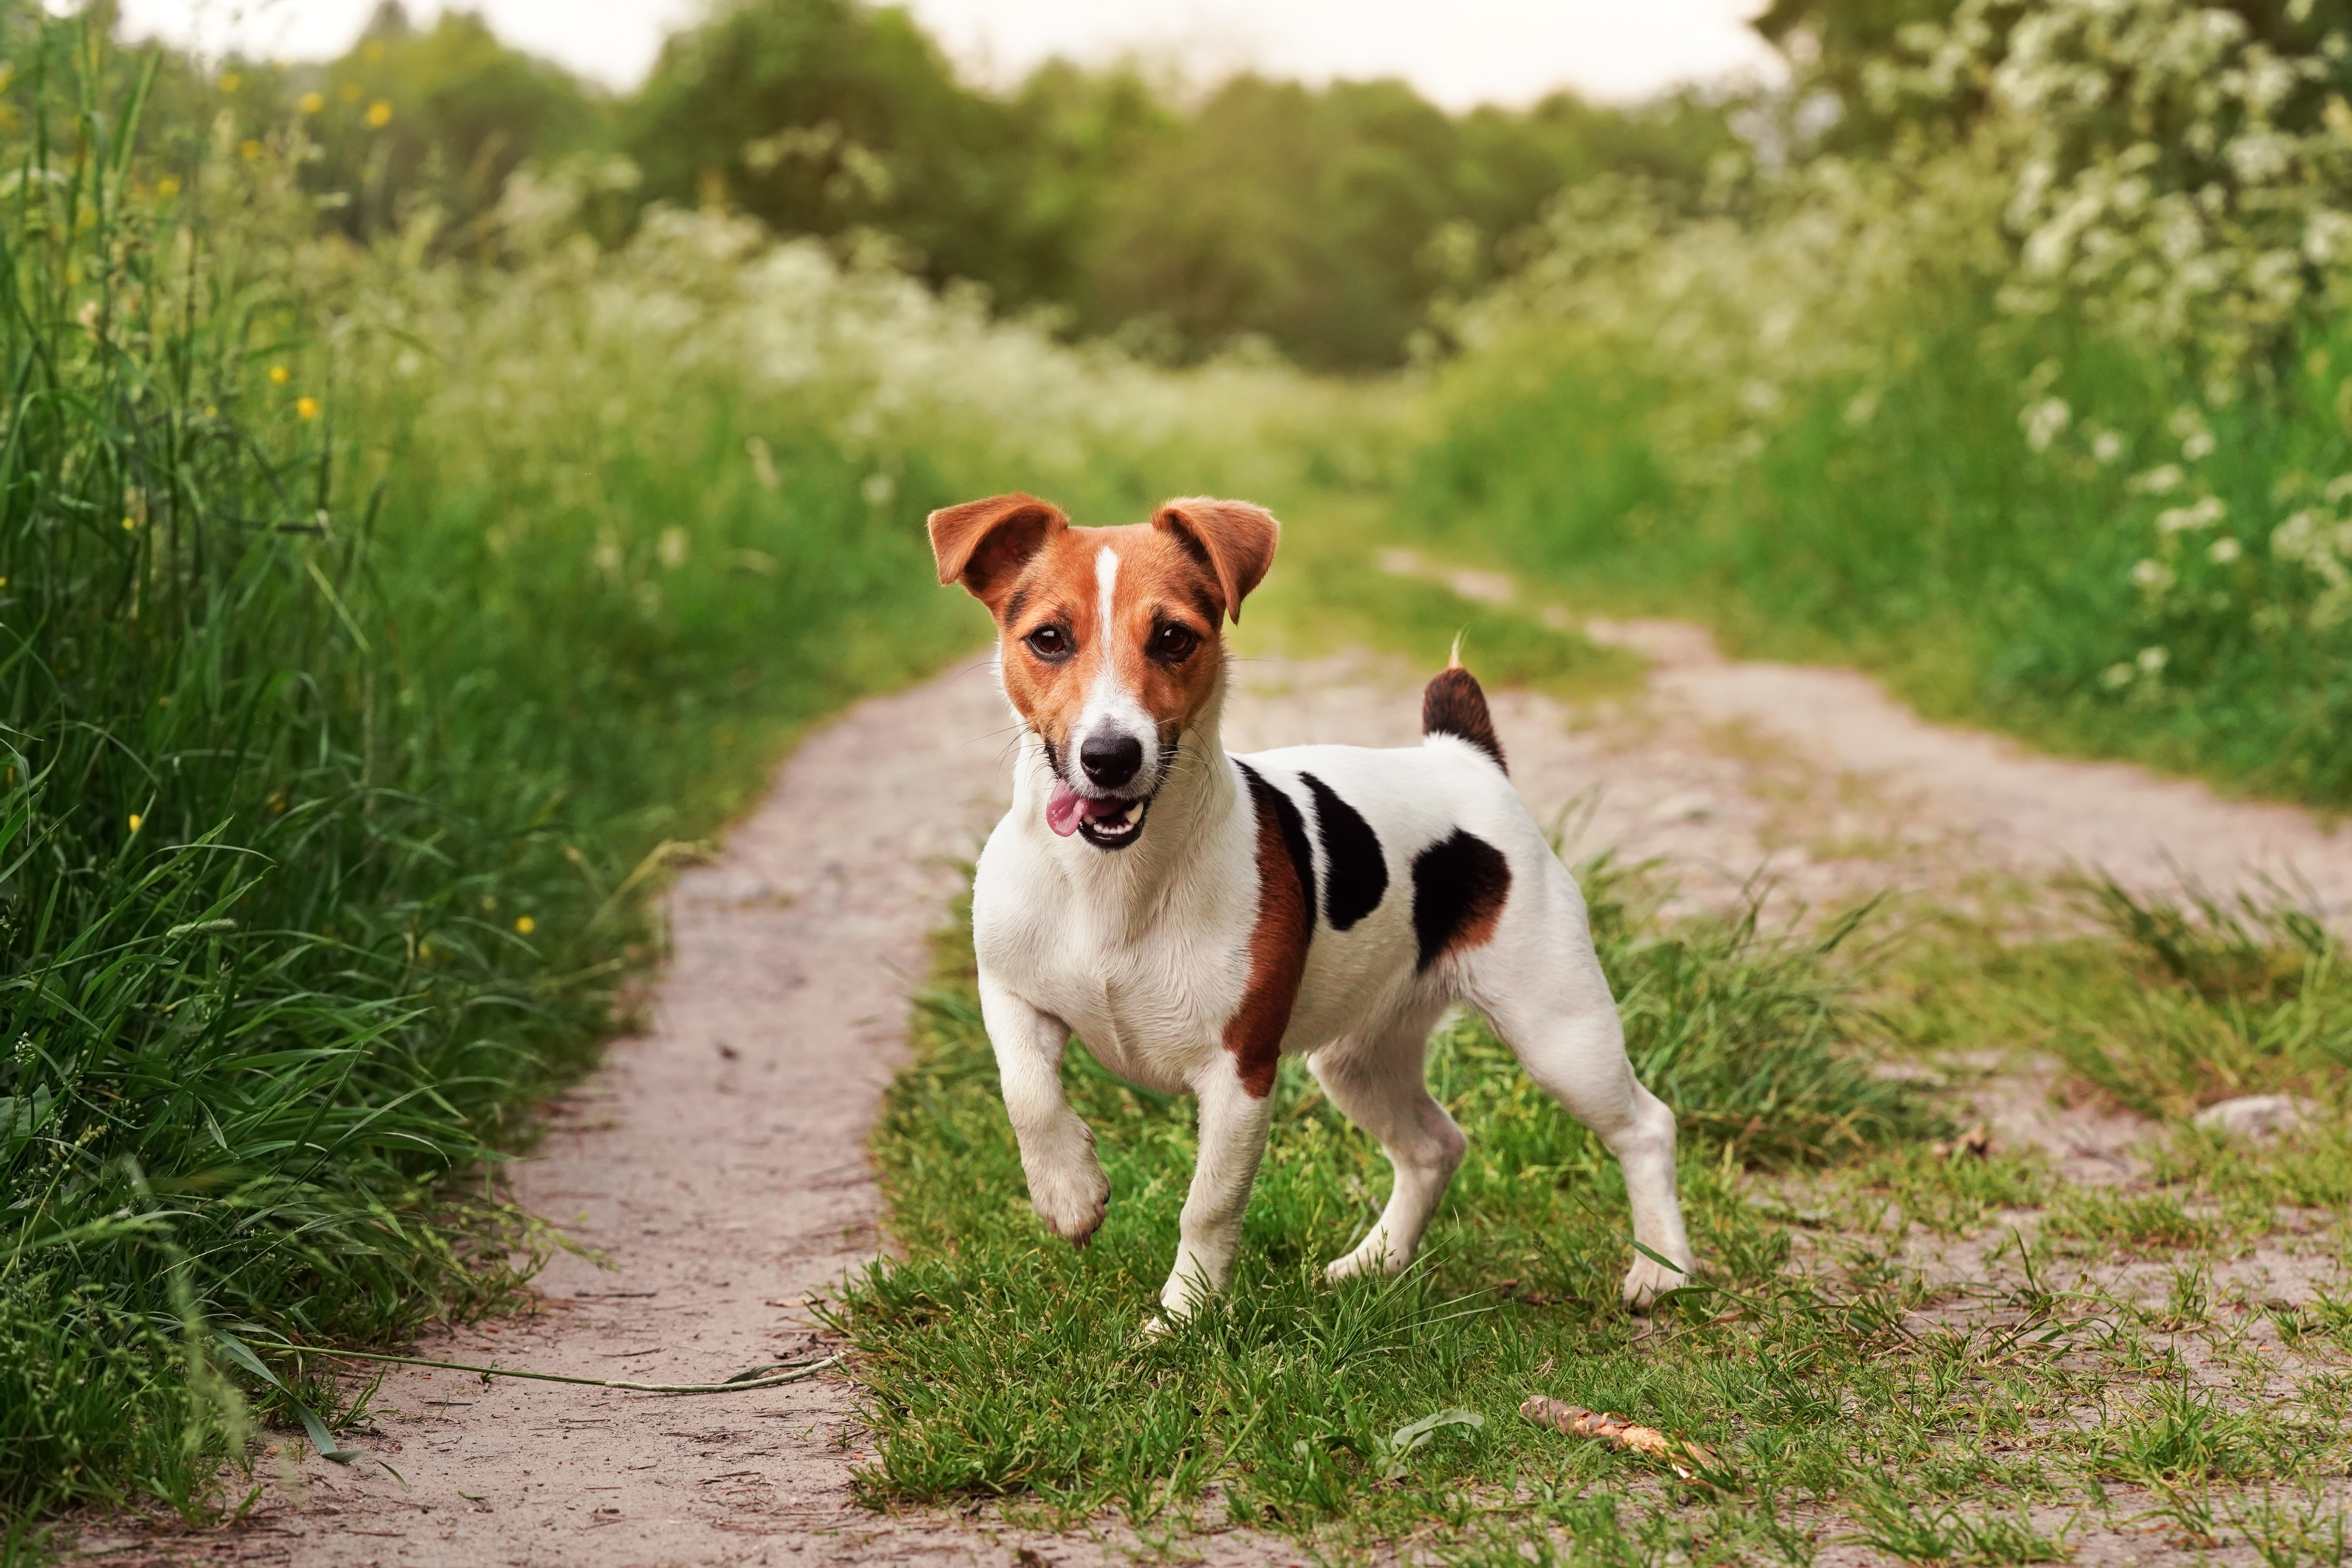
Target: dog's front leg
{"x":1233,"y":1123}
{"x":1067,"y":1185}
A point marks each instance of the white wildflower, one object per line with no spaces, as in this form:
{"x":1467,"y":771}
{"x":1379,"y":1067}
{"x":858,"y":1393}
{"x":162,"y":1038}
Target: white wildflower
{"x":2197,"y":446}
{"x":2293,"y":539}
{"x":2106,"y":446}
{"x":2044,"y":421}
{"x":2114,"y":677}
{"x":2151,"y":661}
{"x":2153,"y":576}
{"x":2204,"y":514}
{"x":2224,"y":551}
{"x":2159,"y":481}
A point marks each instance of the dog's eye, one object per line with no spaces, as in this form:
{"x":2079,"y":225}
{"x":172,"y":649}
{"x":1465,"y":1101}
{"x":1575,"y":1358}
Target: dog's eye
{"x":1173,"y":642}
{"x":1049,"y":641}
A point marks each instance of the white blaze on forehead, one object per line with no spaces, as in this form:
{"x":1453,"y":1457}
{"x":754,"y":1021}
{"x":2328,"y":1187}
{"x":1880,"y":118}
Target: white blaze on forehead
{"x":1110,"y":708}
{"x":1106,"y":582}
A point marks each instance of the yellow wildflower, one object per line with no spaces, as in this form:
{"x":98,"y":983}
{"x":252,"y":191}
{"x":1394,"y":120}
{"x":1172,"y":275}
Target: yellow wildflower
{"x":168,"y":185}
{"x":248,"y":149}
{"x":526,"y":925}
{"x":129,"y":524}
{"x":230,"y":81}
{"x":311,"y":102}
{"x":307,"y":407}
{"x":379,"y":113}
{"x":278,"y":375}
{"x":134,"y":821}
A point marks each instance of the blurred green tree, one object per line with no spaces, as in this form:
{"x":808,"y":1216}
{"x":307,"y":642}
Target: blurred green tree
{"x":1327,"y":220}
{"x":441,"y":118}
{"x":820,"y":116}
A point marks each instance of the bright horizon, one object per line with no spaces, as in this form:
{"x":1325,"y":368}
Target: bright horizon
{"x":1509,"y":52}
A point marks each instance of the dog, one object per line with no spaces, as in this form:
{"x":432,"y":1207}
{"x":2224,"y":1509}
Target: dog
{"x":1193,"y":916}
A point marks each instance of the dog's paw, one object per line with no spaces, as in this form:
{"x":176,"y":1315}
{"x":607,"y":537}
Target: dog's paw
{"x":1072,"y":1199}
{"x":1373,"y":1256}
{"x":1648,"y":1279}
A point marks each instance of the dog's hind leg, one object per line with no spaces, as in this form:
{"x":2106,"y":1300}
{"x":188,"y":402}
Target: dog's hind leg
{"x":1378,"y":1082}
{"x":1540,"y":983}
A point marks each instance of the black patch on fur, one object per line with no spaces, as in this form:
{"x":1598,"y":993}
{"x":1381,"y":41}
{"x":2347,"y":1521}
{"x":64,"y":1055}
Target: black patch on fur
{"x":1459,"y":886}
{"x":1355,"y":873}
{"x":1266,"y":798}
{"x":1452,"y":704}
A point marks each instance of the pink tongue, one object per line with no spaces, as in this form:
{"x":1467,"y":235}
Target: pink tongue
{"x":1065,"y":807}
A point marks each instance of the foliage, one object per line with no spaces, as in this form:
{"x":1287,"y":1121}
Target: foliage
{"x":1970,"y":405}
{"x":1327,"y":221}
{"x":374,"y":630}
{"x":438,"y":120}
{"x":1323,"y":221}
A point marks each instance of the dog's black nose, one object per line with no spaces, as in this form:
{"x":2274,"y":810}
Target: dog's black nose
{"x":1110,"y":760}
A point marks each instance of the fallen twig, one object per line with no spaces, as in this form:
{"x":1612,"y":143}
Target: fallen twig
{"x":741,"y":1383}
{"x":1689,"y":1460}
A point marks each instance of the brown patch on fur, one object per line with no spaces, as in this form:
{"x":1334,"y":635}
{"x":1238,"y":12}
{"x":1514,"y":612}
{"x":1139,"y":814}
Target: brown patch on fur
{"x":1277,"y":944}
{"x":984,"y":543}
{"x":1233,"y":538}
{"x":1453,"y":704}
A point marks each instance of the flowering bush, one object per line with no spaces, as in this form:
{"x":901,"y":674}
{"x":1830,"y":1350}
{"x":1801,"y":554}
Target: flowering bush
{"x":2052,"y":376}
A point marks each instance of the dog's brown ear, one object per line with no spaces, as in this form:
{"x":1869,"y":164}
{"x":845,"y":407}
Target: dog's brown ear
{"x":1235,"y":539}
{"x":984,"y":543}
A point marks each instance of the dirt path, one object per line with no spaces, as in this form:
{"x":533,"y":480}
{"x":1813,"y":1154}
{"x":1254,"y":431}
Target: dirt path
{"x":718,"y":1162}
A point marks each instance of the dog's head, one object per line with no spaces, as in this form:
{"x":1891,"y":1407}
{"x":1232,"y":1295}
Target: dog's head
{"x":1112,"y":638}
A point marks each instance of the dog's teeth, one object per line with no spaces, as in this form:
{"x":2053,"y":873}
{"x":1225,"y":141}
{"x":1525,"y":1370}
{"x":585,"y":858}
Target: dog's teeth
{"x":1134,"y":813}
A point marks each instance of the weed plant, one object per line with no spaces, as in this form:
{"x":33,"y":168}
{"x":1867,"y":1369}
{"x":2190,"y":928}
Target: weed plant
{"x":2161,"y":1007}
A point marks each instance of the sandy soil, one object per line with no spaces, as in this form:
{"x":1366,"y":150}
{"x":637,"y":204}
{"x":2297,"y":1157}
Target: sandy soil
{"x":717,"y":1162}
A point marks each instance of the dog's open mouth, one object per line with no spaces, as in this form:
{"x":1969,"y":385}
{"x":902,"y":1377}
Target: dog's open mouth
{"x":1108,"y":823}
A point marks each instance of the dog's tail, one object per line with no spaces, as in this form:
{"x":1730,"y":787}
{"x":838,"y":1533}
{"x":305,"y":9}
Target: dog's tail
{"x":1453,"y":704}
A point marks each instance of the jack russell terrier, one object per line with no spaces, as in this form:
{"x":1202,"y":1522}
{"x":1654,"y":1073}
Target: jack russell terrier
{"x":1193,"y":917}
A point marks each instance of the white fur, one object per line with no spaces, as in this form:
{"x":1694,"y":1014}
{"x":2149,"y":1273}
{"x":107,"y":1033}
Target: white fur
{"x":1143,"y":953}
{"x":1110,"y":709}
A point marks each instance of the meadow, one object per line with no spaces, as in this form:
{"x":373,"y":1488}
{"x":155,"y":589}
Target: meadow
{"x":394,"y":586}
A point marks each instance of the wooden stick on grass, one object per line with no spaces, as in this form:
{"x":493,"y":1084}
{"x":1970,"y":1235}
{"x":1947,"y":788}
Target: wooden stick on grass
{"x":1688,"y":1459}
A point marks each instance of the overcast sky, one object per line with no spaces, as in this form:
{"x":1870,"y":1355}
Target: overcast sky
{"x":1458,"y":52}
